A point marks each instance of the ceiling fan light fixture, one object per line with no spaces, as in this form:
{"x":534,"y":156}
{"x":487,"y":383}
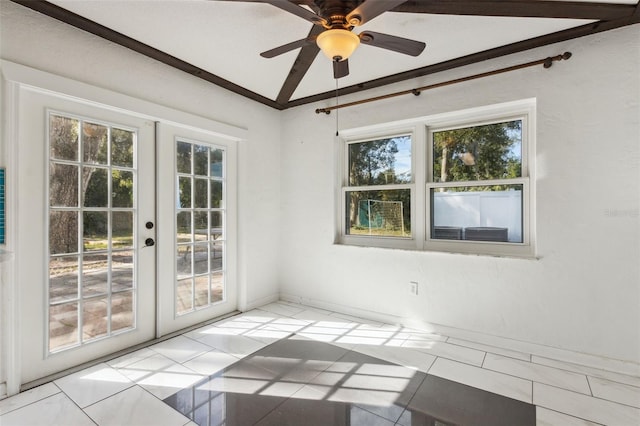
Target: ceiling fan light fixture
{"x":337,"y":44}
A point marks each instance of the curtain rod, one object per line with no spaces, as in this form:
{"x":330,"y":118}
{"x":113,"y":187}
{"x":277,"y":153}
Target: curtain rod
{"x":546,"y":62}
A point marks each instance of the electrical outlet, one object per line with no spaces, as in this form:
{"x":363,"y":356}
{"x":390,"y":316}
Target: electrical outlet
{"x":413,"y":287}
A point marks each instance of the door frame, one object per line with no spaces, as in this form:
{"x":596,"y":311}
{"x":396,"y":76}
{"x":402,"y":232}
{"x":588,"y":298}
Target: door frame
{"x":15,"y":79}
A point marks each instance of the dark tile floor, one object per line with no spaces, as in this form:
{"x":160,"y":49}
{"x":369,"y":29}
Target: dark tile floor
{"x":295,"y":381}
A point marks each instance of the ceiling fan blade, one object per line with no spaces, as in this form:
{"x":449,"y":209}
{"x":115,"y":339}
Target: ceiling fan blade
{"x":287,"y":47}
{"x":340,"y":68}
{"x":300,"y":67}
{"x":297,"y":10}
{"x":369,"y":9}
{"x":395,"y":43}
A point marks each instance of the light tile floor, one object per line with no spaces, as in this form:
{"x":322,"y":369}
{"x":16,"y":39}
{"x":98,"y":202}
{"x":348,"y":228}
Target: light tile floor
{"x":129,"y":390}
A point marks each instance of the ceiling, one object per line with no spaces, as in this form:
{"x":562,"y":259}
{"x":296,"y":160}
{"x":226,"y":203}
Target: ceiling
{"x":221,"y":40}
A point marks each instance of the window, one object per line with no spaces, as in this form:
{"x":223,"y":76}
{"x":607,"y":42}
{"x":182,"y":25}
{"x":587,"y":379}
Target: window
{"x":458,"y":182}
{"x":378,"y":199}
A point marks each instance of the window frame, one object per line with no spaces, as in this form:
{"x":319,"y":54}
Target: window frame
{"x":421,"y":131}
{"x":369,"y":240}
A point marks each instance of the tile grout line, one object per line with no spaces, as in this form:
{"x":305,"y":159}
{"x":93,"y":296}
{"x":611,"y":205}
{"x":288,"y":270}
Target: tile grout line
{"x":527,"y":354}
{"x":491,"y":352}
{"x":571,"y":415}
{"x":473,"y":365}
{"x":589,"y":396}
{"x":33,"y":402}
{"x":586,"y":367}
{"x":79,"y":407}
{"x":589,"y":384}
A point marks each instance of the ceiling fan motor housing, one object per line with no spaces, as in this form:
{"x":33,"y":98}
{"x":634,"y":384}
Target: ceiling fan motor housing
{"x":335,"y":12}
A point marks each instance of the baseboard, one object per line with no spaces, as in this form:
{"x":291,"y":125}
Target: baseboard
{"x":588,"y":360}
{"x":260,"y":302}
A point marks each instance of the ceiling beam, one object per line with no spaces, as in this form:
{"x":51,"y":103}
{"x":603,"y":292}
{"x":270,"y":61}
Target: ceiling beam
{"x":497,"y":52}
{"x":106,"y":33}
{"x":300,"y":67}
{"x":520,"y":8}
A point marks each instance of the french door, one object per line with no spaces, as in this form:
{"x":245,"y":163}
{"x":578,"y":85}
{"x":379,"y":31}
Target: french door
{"x":124,"y":230}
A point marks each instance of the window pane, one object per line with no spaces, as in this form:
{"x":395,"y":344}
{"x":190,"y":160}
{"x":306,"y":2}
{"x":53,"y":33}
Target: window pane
{"x":217,"y":254}
{"x":183,"y":157}
{"x":200,"y":199}
{"x":492,"y":151}
{"x":122,"y":148}
{"x":122,"y":311}
{"x":216,"y":162}
{"x":122,"y":188}
{"x":63,"y":325}
{"x":217,"y":287}
{"x":200,"y":259}
{"x":202,"y":291}
{"x":201,"y":226}
{"x":216,"y":194}
{"x":380,"y":162}
{"x":183,"y":261}
{"x":184,"y":296}
{"x":63,"y":279}
{"x":200,"y":160}
{"x":95,"y":275}
{"x":477,"y":213}
{"x":95,"y":231}
{"x":94,"y":318}
{"x":121,"y":270}
{"x":122,"y":230}
{"x":216,"y":225}
{"x":63,"y":185}
{"x":94,"y":145}
{"x":184,"y":193}
{"x":95,"y":186}
{"x":380,"y":213}
{"x":183,"y":222}
{"x":63,"y":232}
{"x":63,"y":138}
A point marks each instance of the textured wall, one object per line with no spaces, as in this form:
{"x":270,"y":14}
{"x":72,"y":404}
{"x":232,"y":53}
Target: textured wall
{"x":582,"y":294}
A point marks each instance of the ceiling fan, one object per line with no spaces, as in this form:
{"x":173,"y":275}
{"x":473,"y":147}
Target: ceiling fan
{"x":336,"y":19}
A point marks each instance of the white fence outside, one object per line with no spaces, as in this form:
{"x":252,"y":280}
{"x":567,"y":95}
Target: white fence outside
{"x":500,"y":209}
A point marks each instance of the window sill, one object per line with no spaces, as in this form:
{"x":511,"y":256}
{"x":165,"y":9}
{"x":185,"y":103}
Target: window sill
{"x":476,"y":248}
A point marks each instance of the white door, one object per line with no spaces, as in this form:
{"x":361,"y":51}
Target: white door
{"x":196,"y":183}
{"x":86,"y":189}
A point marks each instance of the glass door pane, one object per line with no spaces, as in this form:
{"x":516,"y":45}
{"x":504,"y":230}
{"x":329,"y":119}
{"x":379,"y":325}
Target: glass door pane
{"x":199,"y":224}
{"x":196,"y":227}
{"x":92,"y":286}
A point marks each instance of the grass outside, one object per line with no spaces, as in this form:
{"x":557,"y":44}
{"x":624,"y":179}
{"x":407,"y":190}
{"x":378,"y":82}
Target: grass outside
{"x":99,"y":243}
{"x":380,"y":232}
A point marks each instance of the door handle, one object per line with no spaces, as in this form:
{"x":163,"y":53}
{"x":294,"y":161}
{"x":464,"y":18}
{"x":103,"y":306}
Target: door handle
{"x":149,"y":242}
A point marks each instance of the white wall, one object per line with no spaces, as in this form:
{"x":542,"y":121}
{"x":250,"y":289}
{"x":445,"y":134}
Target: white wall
{"x":31,"y":39}
{"x":582,"y":294}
